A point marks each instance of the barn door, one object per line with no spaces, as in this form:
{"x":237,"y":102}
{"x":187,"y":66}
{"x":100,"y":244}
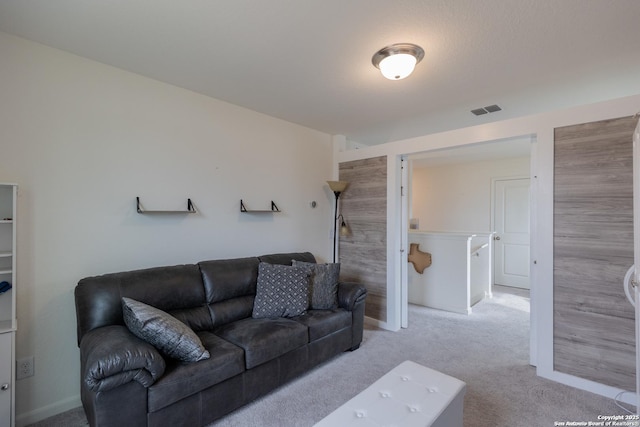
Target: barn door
{"x":594,"y":324}
{"x":632,"y":278}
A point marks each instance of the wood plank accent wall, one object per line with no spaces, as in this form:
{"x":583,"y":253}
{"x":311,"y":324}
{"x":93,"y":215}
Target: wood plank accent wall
{"x":594,"y":334}
{"x":363,"y":254}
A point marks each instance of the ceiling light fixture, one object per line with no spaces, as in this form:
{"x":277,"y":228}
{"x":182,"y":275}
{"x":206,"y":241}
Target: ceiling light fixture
{"x":397,"y":61}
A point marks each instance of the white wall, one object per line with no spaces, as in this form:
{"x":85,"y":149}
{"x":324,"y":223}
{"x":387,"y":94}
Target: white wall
{"x":82,"y":140}
{"x":457,"y":197}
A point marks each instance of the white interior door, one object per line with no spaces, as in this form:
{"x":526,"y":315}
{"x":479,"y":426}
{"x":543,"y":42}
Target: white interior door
{"x":511,"y":226}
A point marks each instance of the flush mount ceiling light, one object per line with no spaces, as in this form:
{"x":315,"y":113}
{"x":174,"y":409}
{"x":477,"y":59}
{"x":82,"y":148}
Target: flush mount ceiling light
{"x":398,"y":60}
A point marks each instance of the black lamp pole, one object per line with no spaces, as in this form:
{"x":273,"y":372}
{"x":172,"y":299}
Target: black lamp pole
{"x":335,"y":224}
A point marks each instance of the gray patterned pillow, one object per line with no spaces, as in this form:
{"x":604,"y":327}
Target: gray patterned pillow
{"x":163,"y":331}
{"x":324,"y":284}
{"x":282,"y":291}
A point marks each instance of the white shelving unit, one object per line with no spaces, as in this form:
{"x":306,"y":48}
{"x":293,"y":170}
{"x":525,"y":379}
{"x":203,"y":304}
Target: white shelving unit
{"x":8,"y":322}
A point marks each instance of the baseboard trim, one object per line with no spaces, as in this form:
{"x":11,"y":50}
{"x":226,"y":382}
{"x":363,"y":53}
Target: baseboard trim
{"x":47,"y":411}
{"x":370,"y":321}
{"x":629,"y":397}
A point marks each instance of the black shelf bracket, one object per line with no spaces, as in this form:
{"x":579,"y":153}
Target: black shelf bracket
{"x":140,"y":210}
{"x":243,"y":208}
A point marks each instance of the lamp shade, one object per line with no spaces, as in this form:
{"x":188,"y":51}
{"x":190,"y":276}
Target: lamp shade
{"x":344,"y":229}
{"x":337,"y":186}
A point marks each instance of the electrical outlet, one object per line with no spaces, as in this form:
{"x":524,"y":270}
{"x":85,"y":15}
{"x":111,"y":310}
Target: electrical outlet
{"x":24,"y":367}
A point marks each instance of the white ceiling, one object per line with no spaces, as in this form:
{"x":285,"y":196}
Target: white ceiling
{"x":309,"y":62}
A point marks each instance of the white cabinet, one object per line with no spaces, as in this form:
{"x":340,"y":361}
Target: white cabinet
{"x":8,"y":323}
{"x":6,"y":381}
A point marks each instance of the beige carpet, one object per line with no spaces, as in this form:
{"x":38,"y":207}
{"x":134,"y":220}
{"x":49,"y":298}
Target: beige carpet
{"x":489,"y":350}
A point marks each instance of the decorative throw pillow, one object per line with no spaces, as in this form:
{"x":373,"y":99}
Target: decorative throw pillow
{"x":324,"y":284}
{"x":282,"y":291}
{"x":163,"y":331}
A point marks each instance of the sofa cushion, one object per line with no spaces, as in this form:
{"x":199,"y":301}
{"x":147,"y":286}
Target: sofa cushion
{"x":233,"y":309}
{"x":285,"y":258}
{"x":197,"y":318}
{"x":324,"y":322}
{"x":282,"y":291}
{"x":264,"y":339}
{"x":163,"y":331}
{"x":323,"y":288}
{"x":229,"y":278}
{"x":184,"y":379}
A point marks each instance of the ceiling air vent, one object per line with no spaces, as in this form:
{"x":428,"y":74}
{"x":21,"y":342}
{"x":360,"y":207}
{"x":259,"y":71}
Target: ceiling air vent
{"x":488,"y":109}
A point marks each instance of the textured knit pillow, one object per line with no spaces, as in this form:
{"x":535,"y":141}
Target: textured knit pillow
{"x":324,"y":284}
{"x":163,"y":331}
{"x":282,"y":291}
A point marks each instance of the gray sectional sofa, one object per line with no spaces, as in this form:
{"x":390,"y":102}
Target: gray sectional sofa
{"x":127,"y":381}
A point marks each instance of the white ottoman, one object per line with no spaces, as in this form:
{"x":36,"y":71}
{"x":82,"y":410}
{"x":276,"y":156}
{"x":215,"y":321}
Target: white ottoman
{"x":409,"y":395}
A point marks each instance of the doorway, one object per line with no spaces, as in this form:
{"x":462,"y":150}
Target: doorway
{"x":484,"y":159}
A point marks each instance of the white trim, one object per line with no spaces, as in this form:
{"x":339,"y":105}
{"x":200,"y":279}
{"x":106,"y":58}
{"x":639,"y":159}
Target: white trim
{"x":394,"y":288}
{"x":375,"y":323}
{"x":542,"y":253}
{"x":404,"y":246}
{"x":636,"y":251}
{"x":592,"y":386}
{"x":533,"y":230}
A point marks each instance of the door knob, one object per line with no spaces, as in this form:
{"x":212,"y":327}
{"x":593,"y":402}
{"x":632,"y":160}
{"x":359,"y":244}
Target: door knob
{"x":4,"y":387}
{"x":496,"y":238}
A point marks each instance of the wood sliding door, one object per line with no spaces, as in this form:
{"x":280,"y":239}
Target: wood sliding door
{"x":594,"y":334}
{"x":363,"y":253}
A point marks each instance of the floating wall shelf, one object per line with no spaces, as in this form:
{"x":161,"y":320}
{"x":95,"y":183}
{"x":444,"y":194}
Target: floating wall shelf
{"x":190,"y":209}
{"x":243,"y":208}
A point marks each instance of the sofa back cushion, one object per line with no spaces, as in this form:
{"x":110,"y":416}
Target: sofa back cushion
{"x":230,"y":288}
{"x":287,"y":258}
{"x":177,"y":290}
{"x":229,"y":278}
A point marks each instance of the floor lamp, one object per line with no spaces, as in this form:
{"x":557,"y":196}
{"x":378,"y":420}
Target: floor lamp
{"x":337,"y":187}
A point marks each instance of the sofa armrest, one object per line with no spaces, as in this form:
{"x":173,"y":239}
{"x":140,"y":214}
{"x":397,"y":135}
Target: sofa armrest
{"x":350,"y":294}
{"x":112,"y":356}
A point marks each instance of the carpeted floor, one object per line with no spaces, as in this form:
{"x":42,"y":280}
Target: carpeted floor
{"x":488,"y":349}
